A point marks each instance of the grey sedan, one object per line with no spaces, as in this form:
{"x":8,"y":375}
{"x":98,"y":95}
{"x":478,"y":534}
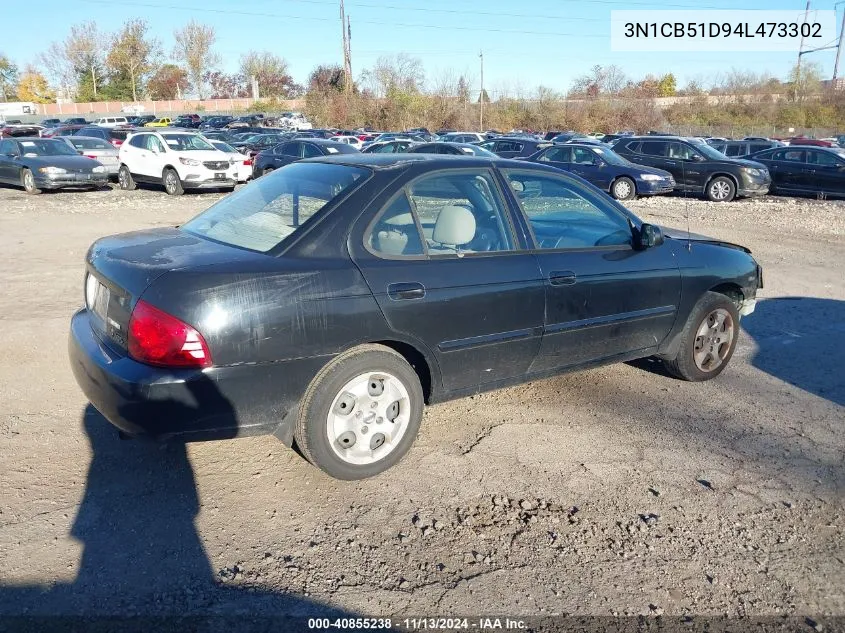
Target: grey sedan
{"x":46,"y":163}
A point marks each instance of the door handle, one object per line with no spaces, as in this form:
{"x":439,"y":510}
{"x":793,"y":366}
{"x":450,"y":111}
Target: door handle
{"x":406,"y":290}
{"x":671,"y":162}
{"x":562,"y":278}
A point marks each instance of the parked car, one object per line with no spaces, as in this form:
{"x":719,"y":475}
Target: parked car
{"x":736,"y":149}
{"x":187,"y":121}
{"x":109,"y":121}
{"x":458,"y":149}
{"x":294,"y":150}
{"x":97,"y":149}
{"x":508,"y":147}
{"x":51,"y":122}
{"x":219,"y":135}
{"x":164,"y":121}
{"x":258,"y":142}
{"x":176,"y":160}
{"x":141,"y":120}
{"x":113,"y":135}
{"x":21,"y":129}
{"x":568,"y":136}
{"x":354,"y":141}
{"x":462,"y":137}
{"x":216,"y":122}
{"x":42,"y":163}
{"x":816,"y":171}
{"x":697,"y":167}
{"x":329,"y":302}
{"x":76,"y":120}
{"x":605,"y":169}
{"x":388,"y":147}
{"x":803,"y":140}
{"x":243,"y":164}
{"x":62,"y":130}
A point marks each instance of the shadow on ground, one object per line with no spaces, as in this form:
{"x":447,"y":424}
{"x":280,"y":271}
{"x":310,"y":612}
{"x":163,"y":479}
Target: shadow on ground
{"x":143,"y":565}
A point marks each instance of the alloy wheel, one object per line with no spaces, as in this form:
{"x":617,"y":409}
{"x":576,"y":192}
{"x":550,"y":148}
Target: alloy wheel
{"x":713,"y":340}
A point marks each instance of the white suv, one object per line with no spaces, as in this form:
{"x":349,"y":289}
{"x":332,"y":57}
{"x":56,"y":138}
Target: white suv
{"x":111,"y":121}
{"x":177,"y":160}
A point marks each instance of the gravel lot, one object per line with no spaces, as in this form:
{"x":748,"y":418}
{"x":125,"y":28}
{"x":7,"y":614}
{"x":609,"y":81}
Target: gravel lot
{"x":617,"y":491}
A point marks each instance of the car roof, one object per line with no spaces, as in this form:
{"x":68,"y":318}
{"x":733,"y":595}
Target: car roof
{"x":390,"y":161}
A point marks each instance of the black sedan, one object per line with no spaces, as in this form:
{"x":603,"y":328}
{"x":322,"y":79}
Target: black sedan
{"x":605,"y":169}
{"x":805,"y":170}
{"x":45,"y":163}
{"x":513,"y":147}
{"x":258,"y":142}
{"x":453,"y":149}
{"x":294,"y":150}
{"x":328,"y":302}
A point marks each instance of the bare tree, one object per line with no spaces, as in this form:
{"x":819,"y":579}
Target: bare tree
{"x":85,"y":50}
{"x":397,"y":73}
{"x":133,"y":52}
{"x":271,"y":72}
{"x":59,"y":69}
{"x":194,"y":46}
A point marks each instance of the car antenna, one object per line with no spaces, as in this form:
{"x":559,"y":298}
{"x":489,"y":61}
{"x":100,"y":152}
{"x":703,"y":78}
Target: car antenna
{"x":686,"y":205}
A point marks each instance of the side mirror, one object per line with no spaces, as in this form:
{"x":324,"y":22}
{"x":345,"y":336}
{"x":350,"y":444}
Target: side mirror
{"x":697,"y":158}
{"x":649,"y":236}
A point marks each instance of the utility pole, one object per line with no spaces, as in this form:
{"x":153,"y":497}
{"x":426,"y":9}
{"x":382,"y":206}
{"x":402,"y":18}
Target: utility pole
{"x":838,"y":49}
{"x":347,"y":62}
{"x":349,"y":50}
{"x":801,"y":45}
{"x":481,"y":94}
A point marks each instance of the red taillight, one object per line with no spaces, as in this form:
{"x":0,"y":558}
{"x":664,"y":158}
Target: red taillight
{"x":157,"y":338}
{"x":90,"y":156}
{"x":116,"y":142}
{"x":248,"y":161}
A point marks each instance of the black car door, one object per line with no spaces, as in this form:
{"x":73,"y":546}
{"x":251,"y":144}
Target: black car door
{"x":9,"y":161}
{"x":604,"y":298}
{"x":449,"y":273}
{"x":827,"y":172}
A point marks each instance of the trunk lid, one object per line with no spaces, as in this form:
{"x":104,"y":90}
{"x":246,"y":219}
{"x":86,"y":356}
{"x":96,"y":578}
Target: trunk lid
{"x":121,"y":267}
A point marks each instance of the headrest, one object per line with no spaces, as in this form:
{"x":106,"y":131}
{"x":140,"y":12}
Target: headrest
{"x":454,"y":226}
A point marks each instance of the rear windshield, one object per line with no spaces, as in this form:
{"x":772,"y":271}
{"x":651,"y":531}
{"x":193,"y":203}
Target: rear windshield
{"x":260,"y":216}
{"x":87,"y":142}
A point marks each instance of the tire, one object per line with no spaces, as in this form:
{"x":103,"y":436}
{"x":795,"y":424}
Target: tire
{"x":345,"y":415}
{"x":720,"y":189}
{"x":700,"y":342}
{"x":172,"y":184}
{"x":125,"y":179}
{"x":28,"y":182}
{"x":267,"y":170}
{"x":623,"y":189}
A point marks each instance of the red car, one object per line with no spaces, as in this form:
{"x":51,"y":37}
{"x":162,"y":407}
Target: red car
{"x":62,"y":130}
{"x":803,"y":140}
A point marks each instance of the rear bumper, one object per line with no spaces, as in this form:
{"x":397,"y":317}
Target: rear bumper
{"x":71,"y":180}
{"x":216,"y":403}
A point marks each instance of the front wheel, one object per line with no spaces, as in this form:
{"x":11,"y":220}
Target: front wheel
{"x":721,"y":189}
{"x":624,"y":189}
{"x":708,"y":339}
{"x":172,"y":184}
{"x":360,"y":414}
{"x":28,"y":182}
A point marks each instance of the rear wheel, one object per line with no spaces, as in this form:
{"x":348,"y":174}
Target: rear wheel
{"x":708,"y":339}
{"x":125,"y":179}
{"x":721,"y":189}
{"x":624,"y":189}
{"x":267,"y":170}
{"x":172,"y":184}
{"x":360,"y":414}
{"x":28,"y":182}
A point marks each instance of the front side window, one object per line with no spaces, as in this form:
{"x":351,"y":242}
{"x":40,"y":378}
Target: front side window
{"x":822,"y":159}
{"x":460,"y":212}
{"x":583,"y":156}
{"x":273,"y":208}
{"x":8,"y":148}
{"x":565,"y":216}
{"x":681,"y":151}
{"x":310,"y":151}
{"x":557,"y":155}
{"x":153,"y":144}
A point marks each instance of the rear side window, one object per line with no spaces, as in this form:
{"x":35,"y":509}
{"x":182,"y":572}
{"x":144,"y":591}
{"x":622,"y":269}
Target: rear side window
{"x":557,"y":155}
{"x":274,"y":207}
{"x":139,"y":141}
{"x":395,"y":232}
{"x":654,"y":148}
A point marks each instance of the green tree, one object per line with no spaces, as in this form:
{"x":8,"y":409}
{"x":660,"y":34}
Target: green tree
{"x":667,"y":85}
{"x":8,"y":78}
{"x":194,"y":47}
{"x":133,"y":53}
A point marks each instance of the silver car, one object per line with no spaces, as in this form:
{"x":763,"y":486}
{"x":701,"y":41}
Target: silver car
{"x":98,"y":149}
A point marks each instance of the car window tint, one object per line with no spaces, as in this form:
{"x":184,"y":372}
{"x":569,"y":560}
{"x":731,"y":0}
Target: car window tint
{"x":8,"y":147}
{"x":395,"y":232}
{"x":733,"y":149}
{"x":138,"y":141}
{"x":563,"y":215}
{"x":681,"y":151}
{"x":824,"y":159}
{"x":581,"y":156}
{"x":557,"y":155}
{"x":793,"y":155}
{"x":756,"y":147}
{"x":461,"y":213}
{"x":272,"y":208}
{"x":310,"y":151}
{"x":654,"y":148}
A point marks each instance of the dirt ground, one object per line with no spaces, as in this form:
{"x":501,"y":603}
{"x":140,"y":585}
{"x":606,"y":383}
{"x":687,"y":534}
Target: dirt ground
{"x":617,"y":491}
